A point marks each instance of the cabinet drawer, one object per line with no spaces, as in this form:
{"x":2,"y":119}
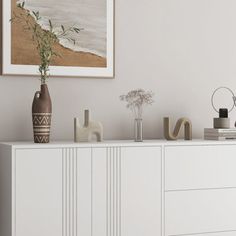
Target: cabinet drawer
{"x":197,"y":167}
{"x":200,"y":211}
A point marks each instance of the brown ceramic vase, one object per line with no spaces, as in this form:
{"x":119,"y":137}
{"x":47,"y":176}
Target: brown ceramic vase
{"x":41,"y":115}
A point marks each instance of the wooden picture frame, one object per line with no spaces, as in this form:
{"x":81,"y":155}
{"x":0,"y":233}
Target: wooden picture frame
{"x":84,"y":62}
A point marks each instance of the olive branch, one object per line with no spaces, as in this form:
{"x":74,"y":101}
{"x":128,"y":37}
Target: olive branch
{"x":44,"y":39}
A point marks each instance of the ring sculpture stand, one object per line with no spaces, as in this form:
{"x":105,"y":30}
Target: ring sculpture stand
{"x":222,"y":122}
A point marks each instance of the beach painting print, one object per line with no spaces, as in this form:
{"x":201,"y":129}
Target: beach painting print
{"x":88,"y":54}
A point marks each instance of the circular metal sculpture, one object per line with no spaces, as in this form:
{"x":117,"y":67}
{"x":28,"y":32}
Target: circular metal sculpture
{"x":231,"y":93}
{"x":223,"y":122}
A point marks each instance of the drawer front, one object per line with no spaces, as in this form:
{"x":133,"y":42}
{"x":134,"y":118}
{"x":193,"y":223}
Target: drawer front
{"x":200,"y":211}
{"x":197,"y":167}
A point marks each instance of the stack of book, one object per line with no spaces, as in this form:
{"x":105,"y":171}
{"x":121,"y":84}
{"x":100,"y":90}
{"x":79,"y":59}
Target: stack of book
{"x":219,"y":134}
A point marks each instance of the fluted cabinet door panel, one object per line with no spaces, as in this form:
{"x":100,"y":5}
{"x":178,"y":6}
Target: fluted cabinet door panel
{"x":141,"y":191}
{"x":77,"y":191}
{"x":99,"y":192}
{"x":113,"y":191}
{"x":83,"y":192}
{"x":105,"y":191}
{"x":37,"y":188}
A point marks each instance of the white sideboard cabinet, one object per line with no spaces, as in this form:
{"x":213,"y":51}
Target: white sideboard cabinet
{"x":119,"y":188}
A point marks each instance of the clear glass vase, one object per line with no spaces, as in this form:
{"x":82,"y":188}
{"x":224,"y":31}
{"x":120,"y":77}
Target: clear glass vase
{"x":138,"y":130}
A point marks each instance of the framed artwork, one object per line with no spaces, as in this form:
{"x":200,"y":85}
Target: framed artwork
{"x":91,"y":56}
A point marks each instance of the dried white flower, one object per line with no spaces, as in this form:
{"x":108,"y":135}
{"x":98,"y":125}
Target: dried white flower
{"x":136,"y":100}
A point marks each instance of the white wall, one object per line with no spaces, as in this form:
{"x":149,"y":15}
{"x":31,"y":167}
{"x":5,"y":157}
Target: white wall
{"x":180,"y":49}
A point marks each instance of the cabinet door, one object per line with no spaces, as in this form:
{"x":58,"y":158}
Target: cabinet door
{"x":37,"y":192}
{"x":141,"y":191}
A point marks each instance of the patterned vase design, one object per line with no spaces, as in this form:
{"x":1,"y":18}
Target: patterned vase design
{"x":41,"y":115}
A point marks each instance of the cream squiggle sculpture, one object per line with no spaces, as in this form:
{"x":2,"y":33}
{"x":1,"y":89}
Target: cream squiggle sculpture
{"x":84,"y":133}
{"x":181,"y":122}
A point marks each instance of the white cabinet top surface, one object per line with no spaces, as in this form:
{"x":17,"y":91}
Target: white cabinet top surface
{"x":120,"y":143}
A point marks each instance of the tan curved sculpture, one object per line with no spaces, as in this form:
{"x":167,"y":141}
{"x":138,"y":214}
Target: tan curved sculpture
{"x":181,"y":122}
{"x":84,"y":133}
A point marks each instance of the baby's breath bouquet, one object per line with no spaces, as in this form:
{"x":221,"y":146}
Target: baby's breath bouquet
{"x":136,"y":101}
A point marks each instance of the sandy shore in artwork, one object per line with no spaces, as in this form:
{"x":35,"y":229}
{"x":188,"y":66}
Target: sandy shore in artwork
{"x":24,"y":49}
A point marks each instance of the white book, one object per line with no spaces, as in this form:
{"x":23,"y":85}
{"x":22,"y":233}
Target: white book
{"x":217,"y":138}
{"x":227,"y":135}
{"x":212,"y":130}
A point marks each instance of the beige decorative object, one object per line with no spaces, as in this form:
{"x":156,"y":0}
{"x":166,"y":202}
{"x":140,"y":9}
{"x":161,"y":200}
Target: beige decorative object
{"x":181,"y":122}
{"x":221,"y":123}
{"x":90,"y":128}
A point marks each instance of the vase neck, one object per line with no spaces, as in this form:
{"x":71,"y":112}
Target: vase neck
{"x":44,"y":90}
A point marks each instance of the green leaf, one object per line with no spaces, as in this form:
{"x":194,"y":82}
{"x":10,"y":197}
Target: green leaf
{"x":72,"y":40}
{"x":50,"y":24}
{"x":19,"y":5}
{"x":35,"y":14}
{"x":63,"y":28}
